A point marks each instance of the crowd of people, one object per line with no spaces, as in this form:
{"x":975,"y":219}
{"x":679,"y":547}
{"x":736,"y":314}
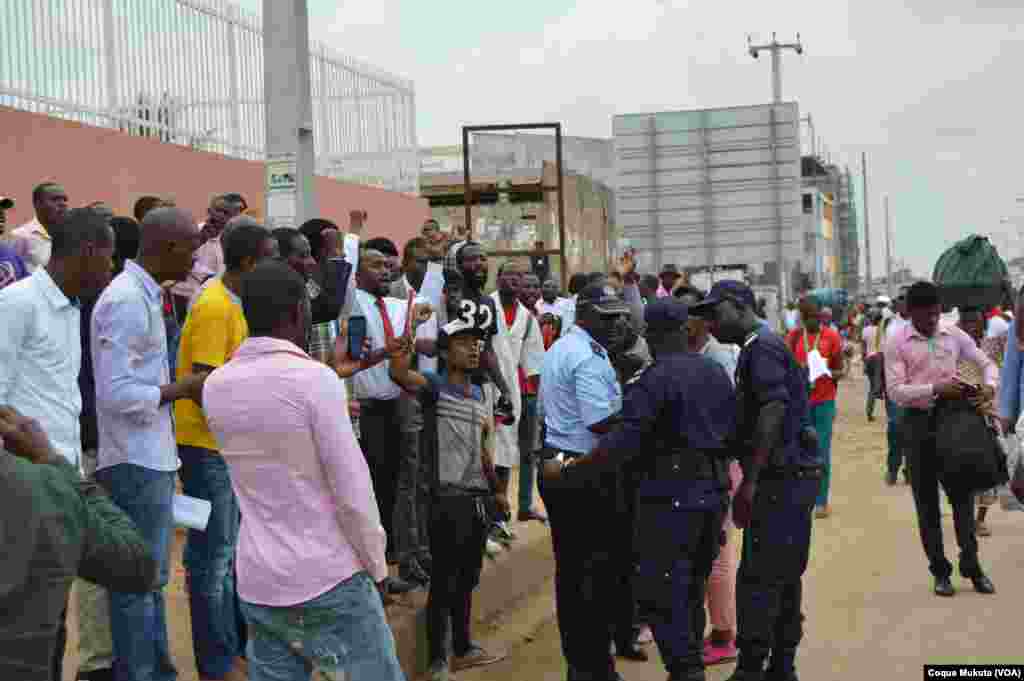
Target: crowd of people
{"x":353,"y":414}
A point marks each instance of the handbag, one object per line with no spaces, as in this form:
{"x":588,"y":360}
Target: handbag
{"x":1015,"y":464}
{"x":969,"y":456}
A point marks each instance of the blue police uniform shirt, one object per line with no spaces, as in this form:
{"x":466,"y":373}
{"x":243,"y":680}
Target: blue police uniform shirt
{"x":682,"y":400}
{"x":767,"y":372}
{"x":578,"y":388}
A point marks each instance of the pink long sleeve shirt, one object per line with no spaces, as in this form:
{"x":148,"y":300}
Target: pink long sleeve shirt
{"x":309,"y":514}
{"x":914,"y":364}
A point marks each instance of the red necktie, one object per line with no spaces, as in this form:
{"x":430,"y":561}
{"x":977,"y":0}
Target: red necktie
{"x":389,"y":331}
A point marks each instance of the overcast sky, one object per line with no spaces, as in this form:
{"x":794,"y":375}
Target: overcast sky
{"x":930,"y":89}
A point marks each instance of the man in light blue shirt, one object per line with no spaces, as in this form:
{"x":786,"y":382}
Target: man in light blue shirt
{"x":137,"y":457}
{"x":580,"y":393}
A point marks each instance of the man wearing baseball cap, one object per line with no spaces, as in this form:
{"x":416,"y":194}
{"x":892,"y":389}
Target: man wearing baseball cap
{"x":678,"y":423}
{"x":582,"y":399}
{"x":781,"y":474}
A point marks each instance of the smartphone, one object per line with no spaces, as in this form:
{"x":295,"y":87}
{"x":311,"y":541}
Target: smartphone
{"x":356,"y":336}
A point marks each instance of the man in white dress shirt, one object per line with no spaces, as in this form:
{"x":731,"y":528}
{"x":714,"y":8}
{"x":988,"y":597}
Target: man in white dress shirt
{"x":378,"y":395}
{"x":40,"y":337}
{"x":137,"y":459}
{"x":50,"y":202}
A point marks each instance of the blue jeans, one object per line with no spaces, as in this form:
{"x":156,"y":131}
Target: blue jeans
{"x":138,"y":624}
{"x":894,"y":414}
{"x":343,"y":633}
{"x":823,"y":415}
{"x":210,"y":560}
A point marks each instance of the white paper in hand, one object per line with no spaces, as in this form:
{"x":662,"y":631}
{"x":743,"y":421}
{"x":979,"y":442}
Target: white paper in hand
{"x":817,"y":366}
{"x":191,"y":512}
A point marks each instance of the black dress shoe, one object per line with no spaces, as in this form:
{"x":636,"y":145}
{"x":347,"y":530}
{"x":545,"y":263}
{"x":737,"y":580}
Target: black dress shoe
{"x":944,"y":587}
{"x":631,"y":650}
{"x":890,"y":479}
{"x":983,"y":585}
{"x":743,"y":675}
{"x":96,"y":675}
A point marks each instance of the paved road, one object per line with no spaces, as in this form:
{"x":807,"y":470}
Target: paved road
{"x":870,"y":610}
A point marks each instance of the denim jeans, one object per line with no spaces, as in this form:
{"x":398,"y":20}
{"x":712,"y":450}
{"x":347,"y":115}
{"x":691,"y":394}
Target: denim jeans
{"x":342,"y":633}
{"x":823,"y":415}
{"x":138,"y":623}
{"x":894,"y":415}
{"x":209,"y":561}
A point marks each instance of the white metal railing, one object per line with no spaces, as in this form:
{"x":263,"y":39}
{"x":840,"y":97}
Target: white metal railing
{"x":190,"y":72}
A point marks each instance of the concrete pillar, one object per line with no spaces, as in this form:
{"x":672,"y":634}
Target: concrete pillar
{"x":289,"y":113}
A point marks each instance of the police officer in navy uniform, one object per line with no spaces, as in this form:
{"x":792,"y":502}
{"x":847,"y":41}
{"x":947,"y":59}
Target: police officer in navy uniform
{"x":582,"y":399}
{"x":775,"y":502}
{"x":678,"y":422}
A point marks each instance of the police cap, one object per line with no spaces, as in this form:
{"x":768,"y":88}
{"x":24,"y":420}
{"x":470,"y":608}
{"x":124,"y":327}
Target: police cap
{"x":596,"y":298}
{"x":665,"y":315}
{"x":727,"y":289}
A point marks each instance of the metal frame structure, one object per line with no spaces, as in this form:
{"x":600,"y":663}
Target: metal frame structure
{"x":190,"y":72}
{"x":467,"y":132}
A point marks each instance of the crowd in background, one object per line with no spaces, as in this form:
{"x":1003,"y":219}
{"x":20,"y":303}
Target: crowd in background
{"x":353,"y":412}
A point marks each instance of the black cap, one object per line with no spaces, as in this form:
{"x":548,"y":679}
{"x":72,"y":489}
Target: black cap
{"x":727,"y":289}
{"x":670,"y":269}
{"x":595,"y":296}
{"x":666,"y":314}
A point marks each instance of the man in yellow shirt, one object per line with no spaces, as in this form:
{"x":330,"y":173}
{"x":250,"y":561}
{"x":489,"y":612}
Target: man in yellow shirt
{"x":214,"y":329}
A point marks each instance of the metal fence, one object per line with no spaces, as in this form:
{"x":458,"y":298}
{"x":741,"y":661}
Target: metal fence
{"x":190,"y":72}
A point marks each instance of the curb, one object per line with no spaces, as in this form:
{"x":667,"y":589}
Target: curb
{"x":508,"y":580}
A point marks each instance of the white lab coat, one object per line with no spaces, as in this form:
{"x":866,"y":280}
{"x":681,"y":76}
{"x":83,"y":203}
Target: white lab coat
{"x":518,"y":346}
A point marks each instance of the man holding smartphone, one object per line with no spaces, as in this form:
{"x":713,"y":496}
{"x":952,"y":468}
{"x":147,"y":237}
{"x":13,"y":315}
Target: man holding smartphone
{"x":920,"y":369}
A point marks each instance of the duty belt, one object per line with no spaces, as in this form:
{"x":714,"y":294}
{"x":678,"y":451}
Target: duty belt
{"x":795,"y":472}
{"x":692,"y":464}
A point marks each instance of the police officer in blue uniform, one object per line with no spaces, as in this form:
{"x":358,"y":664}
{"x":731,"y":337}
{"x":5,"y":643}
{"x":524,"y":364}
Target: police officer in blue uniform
{"x":678,"y":422}
{"x":775,"y":502}
{"x":582,"y":399}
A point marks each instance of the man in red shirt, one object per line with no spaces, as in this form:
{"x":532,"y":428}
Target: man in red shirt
{"x":816,"y":337}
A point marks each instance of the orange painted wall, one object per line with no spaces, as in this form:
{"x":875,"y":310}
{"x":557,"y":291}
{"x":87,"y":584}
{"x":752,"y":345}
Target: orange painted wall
{"x":97,"y":164}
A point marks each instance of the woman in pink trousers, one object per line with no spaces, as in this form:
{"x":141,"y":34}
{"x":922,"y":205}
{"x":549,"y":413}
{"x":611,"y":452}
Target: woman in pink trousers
{"x":720,"y":646}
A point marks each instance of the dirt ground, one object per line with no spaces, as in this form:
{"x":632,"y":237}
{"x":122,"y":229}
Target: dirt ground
{"x":868,"y":601}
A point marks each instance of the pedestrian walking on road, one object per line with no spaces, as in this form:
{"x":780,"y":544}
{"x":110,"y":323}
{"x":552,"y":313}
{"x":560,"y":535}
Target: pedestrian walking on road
{"x":582,"y":399}
{"x":678,"y":420}
{"x":781,"y":480}
{"x":817,"y":336}
{"x":921,"y":362}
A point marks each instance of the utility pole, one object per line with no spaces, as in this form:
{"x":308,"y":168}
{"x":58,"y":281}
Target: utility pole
{"x":776,"y":48}
{"x":888,"y":251}
{"x":289,"y":113}
{"x":867,"y":223}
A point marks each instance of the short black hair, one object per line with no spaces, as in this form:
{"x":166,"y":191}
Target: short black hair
{"x":454,"y":279}
{"x":270,"y":292}
{"x":126,"y":238}
{"x":144,"y":205}
{"x":687,"y":290}
{"x":922,"y":294}
{"x":650,"y":281}
{"x":80,"y":226}
{"x":577,"y":283}
{"x":411,"y":245}
{"x":311,"y":230}
{"x":286,"y":240}
{"x":973,"y":312}
{"x":42,"y":189}
{"x":595,"y":277}
{"x":382,"y":244}
{"x":234,"y":197}
{"x":243,"y":241}
{"x":462,"y":249}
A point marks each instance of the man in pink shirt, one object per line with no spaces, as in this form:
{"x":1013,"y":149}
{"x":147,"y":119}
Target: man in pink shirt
{"x":311,"y":546}
{"x":921,"y":369}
